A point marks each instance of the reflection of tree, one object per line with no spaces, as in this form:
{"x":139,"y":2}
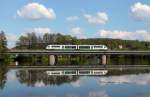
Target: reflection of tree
{"x":127,"y":71}
{"x":3,"y":72}
{"x":32,"y":77}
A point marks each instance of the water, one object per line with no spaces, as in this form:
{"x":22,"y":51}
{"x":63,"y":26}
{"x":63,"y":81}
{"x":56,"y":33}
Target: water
{"x":37,"y":83}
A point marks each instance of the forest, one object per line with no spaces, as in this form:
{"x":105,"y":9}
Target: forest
{"x":33,"y":41}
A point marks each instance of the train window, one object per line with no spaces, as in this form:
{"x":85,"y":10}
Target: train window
{"x":84,"y":47}
{"x":70,"y":47}
{"x":55,"y":46}
{"x":73,"y":46}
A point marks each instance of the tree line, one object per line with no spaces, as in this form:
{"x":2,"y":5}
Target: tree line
{"x":33,"y":41}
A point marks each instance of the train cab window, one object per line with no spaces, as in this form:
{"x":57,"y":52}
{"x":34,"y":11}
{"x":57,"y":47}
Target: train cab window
{"x":98,"y":46}
{"x":55,"y":46}
{"x":105,"y":46}
{"x":48,"y":46}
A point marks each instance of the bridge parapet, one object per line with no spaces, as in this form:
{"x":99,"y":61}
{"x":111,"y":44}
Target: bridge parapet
{"x":73,"y":52}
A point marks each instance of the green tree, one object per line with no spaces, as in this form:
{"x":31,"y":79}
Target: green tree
{"x":3,"y":42}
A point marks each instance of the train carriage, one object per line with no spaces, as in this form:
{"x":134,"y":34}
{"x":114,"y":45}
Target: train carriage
{"x":76,"y":47}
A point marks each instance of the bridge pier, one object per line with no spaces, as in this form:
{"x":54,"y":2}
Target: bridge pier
{"x":16,"y":63}
{"x":104,"y":60}
{"x":17,"y":55}
{"x":52,"y":59}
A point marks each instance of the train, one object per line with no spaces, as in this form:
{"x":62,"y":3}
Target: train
{"x":77,"y":72}
{"x":76,"y":47}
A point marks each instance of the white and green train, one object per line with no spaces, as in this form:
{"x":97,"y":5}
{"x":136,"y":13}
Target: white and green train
{"x":76,"y":47}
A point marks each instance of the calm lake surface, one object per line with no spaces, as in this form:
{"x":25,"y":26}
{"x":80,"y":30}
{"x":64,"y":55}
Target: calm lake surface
{"x":37,"y":83}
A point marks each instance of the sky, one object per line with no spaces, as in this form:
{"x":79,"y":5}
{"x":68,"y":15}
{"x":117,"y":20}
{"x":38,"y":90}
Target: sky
{"x":118,"y":19}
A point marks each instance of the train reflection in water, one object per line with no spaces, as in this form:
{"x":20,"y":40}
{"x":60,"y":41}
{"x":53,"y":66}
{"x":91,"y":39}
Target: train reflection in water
{"x":77,"y":72}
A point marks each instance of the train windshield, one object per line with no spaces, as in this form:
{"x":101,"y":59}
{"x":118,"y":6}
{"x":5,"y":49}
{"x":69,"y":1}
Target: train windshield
{"x":55,"y":45}
{"x":98,"y":46}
